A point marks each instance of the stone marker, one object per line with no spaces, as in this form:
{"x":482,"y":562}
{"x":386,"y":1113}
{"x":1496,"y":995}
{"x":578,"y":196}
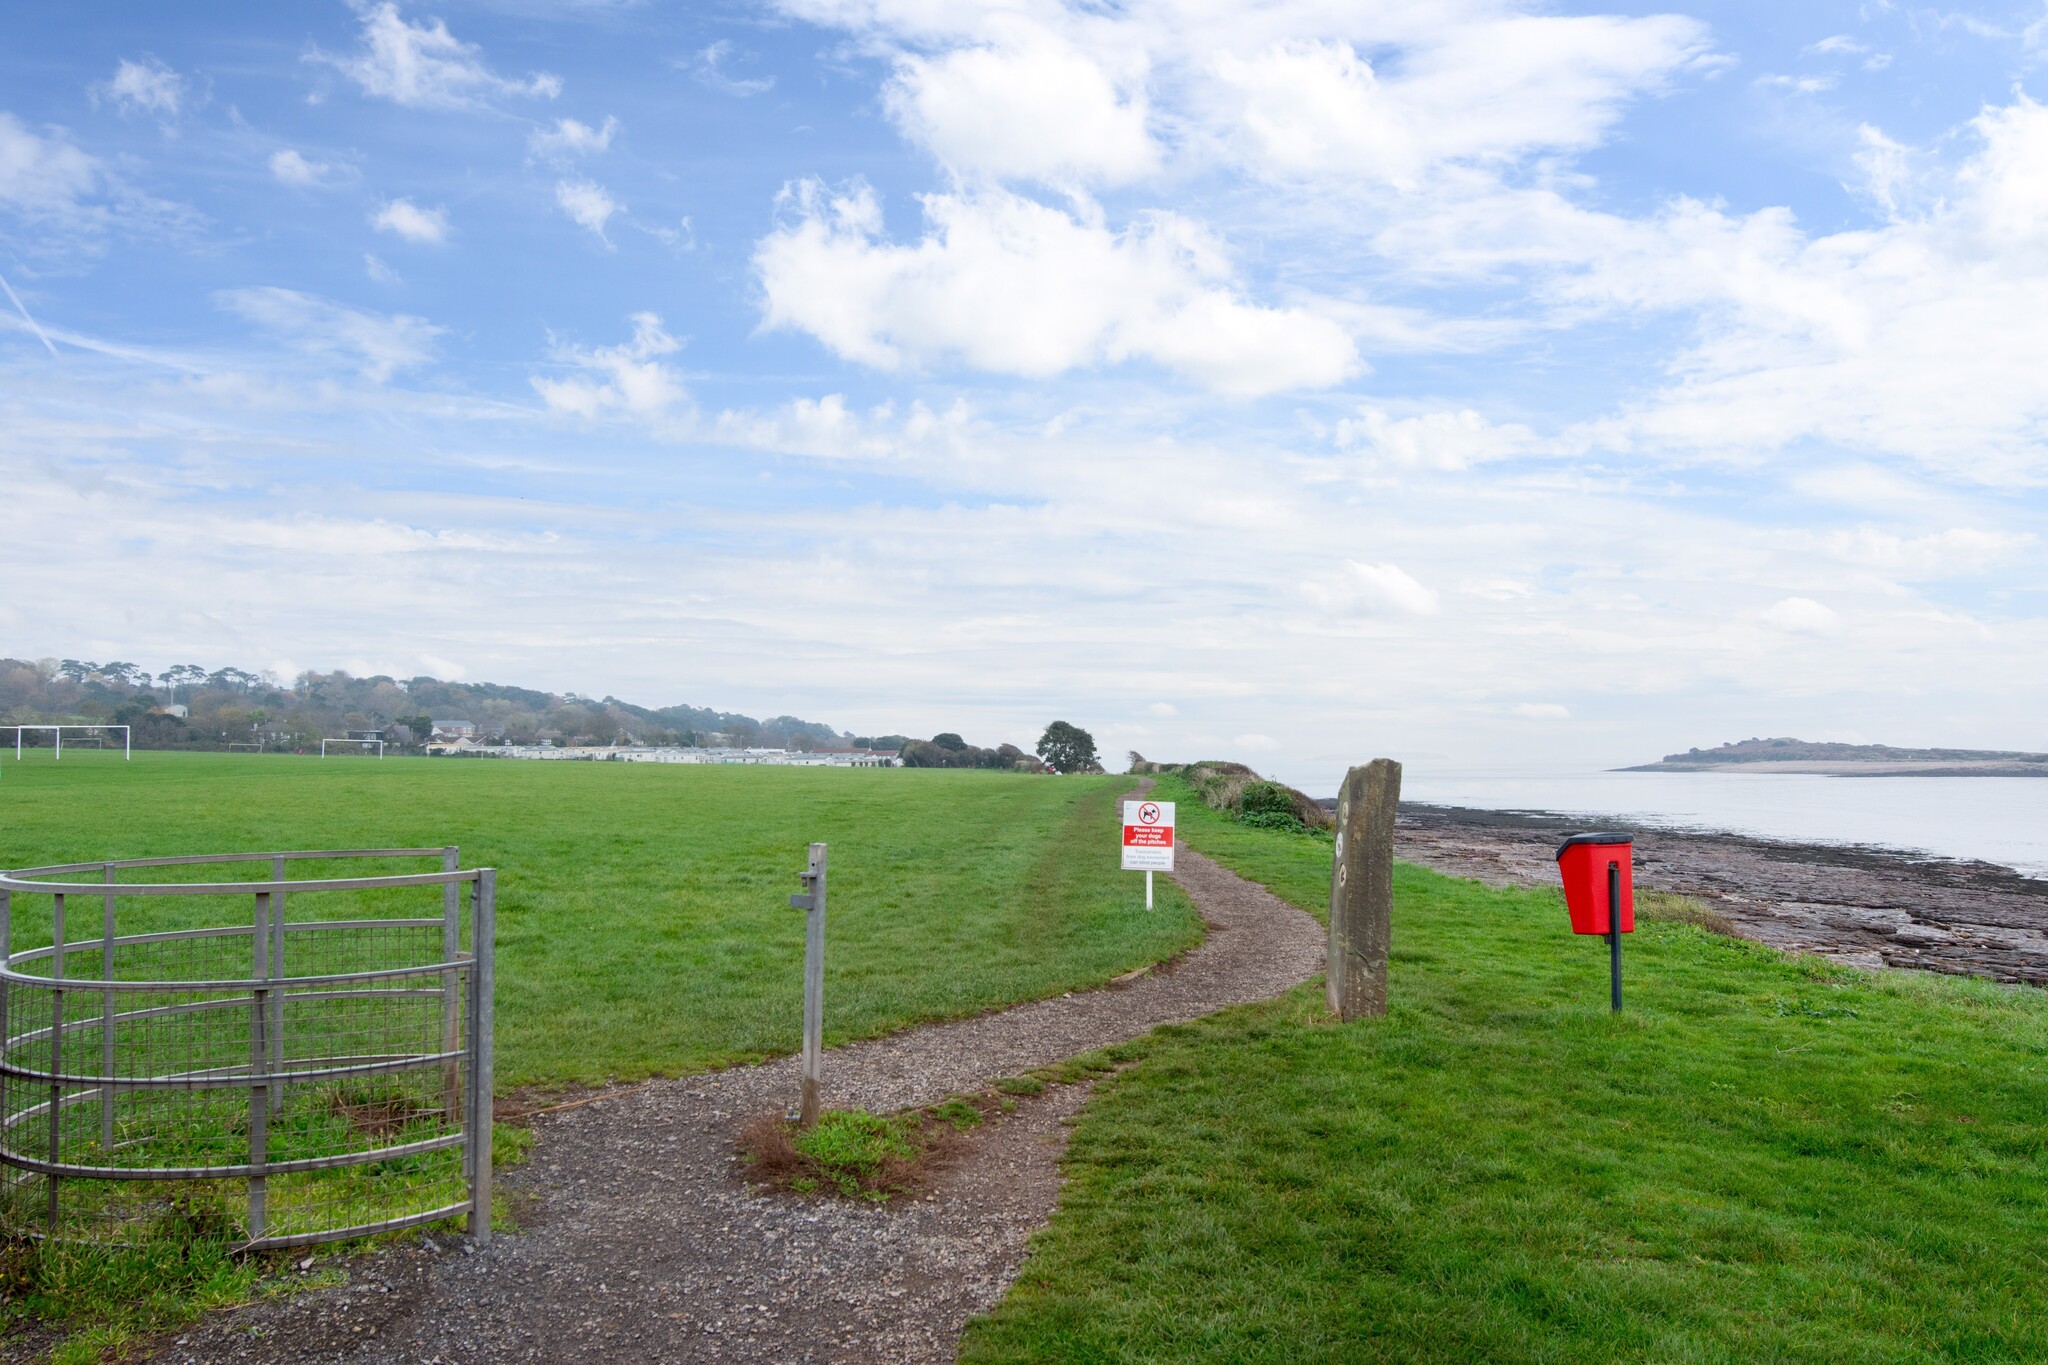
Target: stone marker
{"x":1362,"y":890}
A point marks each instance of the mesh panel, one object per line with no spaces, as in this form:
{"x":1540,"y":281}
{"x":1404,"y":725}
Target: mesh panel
{"x":246,"y":1100}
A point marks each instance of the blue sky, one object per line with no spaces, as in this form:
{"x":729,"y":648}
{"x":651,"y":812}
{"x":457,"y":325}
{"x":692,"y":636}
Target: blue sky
{"x":1471,"y":381}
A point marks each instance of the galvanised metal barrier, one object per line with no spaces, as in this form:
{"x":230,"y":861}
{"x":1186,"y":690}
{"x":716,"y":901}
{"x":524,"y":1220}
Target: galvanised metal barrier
{"x":267,"y":1076}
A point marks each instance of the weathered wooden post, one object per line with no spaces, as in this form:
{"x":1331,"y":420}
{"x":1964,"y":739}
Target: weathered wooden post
{"x":813,"y":901}
{"x":1362,"y":890}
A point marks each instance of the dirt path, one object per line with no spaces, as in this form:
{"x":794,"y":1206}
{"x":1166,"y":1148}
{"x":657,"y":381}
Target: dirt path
{"x":641,"y":1241}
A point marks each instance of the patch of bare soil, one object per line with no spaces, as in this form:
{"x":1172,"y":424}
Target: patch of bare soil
{"x":649,"y":1242}
{"x":1869,"y":907}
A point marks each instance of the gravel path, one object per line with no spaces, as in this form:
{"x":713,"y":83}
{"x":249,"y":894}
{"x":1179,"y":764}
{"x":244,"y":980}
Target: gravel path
{"x":641,"y":1240}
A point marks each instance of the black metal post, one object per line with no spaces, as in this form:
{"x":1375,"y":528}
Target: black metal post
{"x":1614,"y":929}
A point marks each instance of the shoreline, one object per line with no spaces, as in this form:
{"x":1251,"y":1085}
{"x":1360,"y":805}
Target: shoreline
{"x":1826,"y":767}
{"x":1864,"y":906}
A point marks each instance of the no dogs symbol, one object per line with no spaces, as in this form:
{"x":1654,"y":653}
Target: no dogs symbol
{"x":1148,"y":814}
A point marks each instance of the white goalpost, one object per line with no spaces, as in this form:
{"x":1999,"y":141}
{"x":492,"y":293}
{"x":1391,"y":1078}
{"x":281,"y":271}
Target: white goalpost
{"x":127,"y":737}
{"x":364,"y":742}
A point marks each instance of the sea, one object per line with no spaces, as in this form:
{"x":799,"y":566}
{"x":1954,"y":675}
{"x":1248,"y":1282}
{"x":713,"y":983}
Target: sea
{"x":2000,"y":820}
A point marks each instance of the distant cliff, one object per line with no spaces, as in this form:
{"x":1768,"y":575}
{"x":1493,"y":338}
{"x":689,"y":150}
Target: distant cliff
{"x":1871,"y":760}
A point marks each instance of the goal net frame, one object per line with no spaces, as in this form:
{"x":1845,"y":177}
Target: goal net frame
{"x":364,"y":742}
{"x":127,"y":737}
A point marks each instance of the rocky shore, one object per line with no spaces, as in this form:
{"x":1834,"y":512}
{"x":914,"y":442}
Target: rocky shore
{"x":1868,"y":907}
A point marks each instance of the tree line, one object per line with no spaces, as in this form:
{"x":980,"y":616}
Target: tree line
{"x":238,"y":706}
{"x":235,"y":706}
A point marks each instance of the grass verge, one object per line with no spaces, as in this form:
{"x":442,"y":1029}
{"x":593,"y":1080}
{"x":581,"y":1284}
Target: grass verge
{"x":1764,"y":1158}
{"x":858,"y":1155}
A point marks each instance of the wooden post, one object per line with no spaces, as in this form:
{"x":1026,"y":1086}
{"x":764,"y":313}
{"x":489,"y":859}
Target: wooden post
{"x":1362,"y":890}
{"x":813,"y":901}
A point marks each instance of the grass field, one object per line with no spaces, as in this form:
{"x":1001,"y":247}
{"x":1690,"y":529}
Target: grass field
{"x":643,"y":921}
{"x":1763,"y":1159}
{"x":643,"y":910}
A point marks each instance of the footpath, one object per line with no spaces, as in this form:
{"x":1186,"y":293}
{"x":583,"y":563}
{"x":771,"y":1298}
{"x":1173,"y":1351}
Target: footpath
{"x":641,"y":1239}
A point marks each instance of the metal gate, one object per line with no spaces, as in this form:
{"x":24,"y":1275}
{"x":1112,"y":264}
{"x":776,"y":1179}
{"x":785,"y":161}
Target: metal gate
{"x":272,"y":1061}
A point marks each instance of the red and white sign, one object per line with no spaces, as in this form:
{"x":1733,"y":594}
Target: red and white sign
{"x":1148,"y":836}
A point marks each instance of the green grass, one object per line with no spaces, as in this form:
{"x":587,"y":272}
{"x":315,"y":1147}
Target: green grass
{"x":643,"y":910}
{"x":643,"y":929}
{"x":849,"y":1148}
{"x":1765,"y":1158}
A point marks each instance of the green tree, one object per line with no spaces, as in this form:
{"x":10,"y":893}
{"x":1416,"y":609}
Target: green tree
{"x":1067,"y":748}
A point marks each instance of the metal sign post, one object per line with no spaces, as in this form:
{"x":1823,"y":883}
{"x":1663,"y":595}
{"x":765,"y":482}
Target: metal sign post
{"x":1148,"y":840}
{"x":813,"y":901}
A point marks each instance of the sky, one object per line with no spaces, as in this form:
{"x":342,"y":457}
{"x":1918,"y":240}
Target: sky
{"x":1473,"y":382}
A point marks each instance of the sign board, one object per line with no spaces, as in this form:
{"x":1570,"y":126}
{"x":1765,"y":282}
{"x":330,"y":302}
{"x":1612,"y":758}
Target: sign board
{"x":1148,"y":836}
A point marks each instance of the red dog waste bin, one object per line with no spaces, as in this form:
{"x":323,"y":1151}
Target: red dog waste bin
{"x":1582,"y":861}
{"x":1599,"y":892}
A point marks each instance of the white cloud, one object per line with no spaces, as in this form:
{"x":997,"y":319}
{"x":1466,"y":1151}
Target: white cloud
{"x":1798,"y":85}
{"x":1487,"y":90}
{"x":1918,"y":338}
{"x":1801,"y":616}
{"x":1163,"y":708}
{"x":708,"y":67}
{"x":633,"y":380}
{"x":376,"y":344}
{"x":1942,"y":554}
{"x":147,"y":86}
{"x":424,"y":66}
{"x":1036,"y":109}
{"x":569,"y":137}
{"x":1372,"y":588}
{"x":43,"y":176}
{"x":1257,"y":744}
{"x":1543,"y":710}
{"x":412,"y":222}
{"x":70,"y":200}
{"x":376,"y":269}
{"x":587,"y":204}
{"x":1006,"y":284}
{"x":290,"y":168}
{"x":1434,"y":440}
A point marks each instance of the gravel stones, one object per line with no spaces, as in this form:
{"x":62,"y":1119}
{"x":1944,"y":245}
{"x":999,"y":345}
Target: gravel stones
{"x":642,"y":1240}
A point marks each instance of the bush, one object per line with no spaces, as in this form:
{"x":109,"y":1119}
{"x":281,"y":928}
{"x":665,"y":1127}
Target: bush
{"x":1273,"y":819}
{"x":1265,"y":798}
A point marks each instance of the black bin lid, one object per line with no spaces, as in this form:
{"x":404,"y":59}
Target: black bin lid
{"x":1594,"y":839}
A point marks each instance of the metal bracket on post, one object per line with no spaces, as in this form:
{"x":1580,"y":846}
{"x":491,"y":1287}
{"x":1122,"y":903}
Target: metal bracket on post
{"x":813,"y":901}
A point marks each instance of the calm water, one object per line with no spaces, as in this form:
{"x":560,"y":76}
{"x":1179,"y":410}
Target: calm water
{"x":1998,"y":819}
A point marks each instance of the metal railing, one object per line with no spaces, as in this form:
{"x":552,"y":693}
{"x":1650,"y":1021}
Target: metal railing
{"x":275,"y":1080}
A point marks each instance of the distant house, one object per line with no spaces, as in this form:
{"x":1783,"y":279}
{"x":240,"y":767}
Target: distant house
{"x":395,"y":733}
{"x":454,"y":729}
{"x":490,"y":732}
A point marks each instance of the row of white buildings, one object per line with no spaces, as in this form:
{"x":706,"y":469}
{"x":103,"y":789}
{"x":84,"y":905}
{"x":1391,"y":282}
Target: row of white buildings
{"x":466,"y":747}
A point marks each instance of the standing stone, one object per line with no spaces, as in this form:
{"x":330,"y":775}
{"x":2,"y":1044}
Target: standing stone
{"x":1362,"y":890}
